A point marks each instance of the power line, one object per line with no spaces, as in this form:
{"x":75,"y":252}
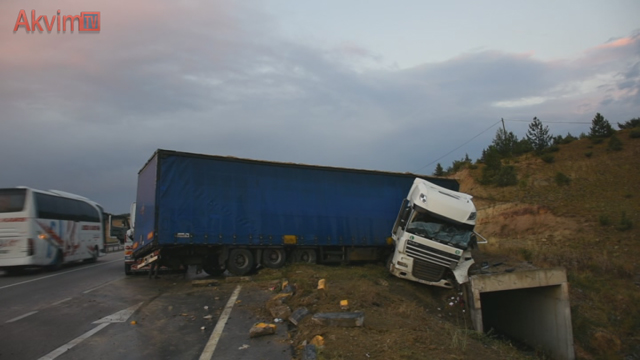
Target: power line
{"x":496,"y":123}
{"x":553,"y":122}
{"x":438,"y":159}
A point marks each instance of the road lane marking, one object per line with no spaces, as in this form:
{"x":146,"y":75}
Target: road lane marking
{"x":207,"y":354}
{"x":60,"y":302}
{"x":99,"y":286}
{"x":120,"y":316}
{"x":62,"y":273}
{"x":64,"y":348}
{"x":21,"y":317}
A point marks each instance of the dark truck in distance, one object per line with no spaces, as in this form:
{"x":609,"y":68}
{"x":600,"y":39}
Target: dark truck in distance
{"x":221,"y":213}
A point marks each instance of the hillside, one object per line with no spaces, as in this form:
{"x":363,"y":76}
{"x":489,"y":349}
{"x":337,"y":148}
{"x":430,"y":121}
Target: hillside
{"x":581,"y":224}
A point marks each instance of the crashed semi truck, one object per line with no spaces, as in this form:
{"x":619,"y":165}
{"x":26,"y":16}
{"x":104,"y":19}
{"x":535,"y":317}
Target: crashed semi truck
{"x":434,"y":235}
{"x":224,"y":213}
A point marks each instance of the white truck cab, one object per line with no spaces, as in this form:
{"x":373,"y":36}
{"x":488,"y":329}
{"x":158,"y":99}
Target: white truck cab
{"x":434,"y":235}
{"x":128,"y":241}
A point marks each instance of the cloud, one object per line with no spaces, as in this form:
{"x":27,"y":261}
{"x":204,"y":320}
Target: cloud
{"x":83,"y":113}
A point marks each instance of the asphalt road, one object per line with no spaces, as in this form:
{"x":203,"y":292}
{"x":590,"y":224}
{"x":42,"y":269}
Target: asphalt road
{"x":94,"y":311}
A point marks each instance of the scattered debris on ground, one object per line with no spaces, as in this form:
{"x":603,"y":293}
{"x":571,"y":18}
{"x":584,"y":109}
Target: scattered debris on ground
{"x":262,"y":329}
{"x":404,"y":320}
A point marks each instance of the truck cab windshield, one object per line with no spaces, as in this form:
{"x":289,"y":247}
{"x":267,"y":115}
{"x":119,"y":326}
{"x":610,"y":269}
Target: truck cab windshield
{"x":439,"y":229}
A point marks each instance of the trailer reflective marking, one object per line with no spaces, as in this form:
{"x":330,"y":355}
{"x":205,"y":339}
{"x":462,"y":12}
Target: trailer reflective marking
{"x":62,"y":273}
{"x":21,"y":317}
{"x":207,"y":354}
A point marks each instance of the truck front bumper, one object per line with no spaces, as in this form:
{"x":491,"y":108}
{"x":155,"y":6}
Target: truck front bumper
{"x":402,"y":267}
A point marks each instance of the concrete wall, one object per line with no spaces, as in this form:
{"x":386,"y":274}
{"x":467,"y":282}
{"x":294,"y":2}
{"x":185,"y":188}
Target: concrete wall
{"x":531,"y":306}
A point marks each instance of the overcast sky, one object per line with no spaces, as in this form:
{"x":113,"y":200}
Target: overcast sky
{"x":365,"y":84}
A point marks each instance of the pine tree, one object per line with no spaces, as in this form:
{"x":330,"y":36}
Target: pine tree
{"x":538,"y":135}
{"x":600,"y":127}
{"x":504,"y":142}
{"x":630,"y":124}
{"x":439,"y":171}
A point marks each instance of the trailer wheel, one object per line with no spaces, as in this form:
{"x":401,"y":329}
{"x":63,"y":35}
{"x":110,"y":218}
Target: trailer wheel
{"x":273,"y":258}
{"x":127,"y":269}
{"x":212,"y":266}
{"x":305,"y":256}
{"x":240,"y":261}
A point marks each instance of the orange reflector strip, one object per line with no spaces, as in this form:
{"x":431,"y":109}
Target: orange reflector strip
{"x":290,"y":239}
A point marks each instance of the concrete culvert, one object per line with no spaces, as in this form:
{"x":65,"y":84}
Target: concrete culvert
{"x":530,"y":306}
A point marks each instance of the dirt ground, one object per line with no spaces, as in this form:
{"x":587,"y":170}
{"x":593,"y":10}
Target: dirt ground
{"x":402,"y":319}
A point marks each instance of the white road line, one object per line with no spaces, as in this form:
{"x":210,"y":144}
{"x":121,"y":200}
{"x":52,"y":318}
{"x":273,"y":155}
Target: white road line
{"x":58,"y":274}
{"x":64,"y":348}
{"x":21,"y":317}
{"x":120,"y":316}
{"x":99,"y":286}
{"x":207,"y":354}
{"x":60,"y":302}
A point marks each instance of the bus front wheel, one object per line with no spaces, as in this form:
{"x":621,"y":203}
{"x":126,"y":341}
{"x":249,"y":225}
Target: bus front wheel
{"x":57,"y":261}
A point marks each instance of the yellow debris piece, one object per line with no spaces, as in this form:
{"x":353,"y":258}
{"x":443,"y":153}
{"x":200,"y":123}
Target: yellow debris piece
{"x":134,"y":322}
{"x":265,"y":325}
{"x":317,"y":340}
{"x":344,"y":304}
{"x":322,"y":284}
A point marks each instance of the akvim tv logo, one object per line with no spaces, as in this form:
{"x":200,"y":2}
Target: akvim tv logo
{"x":88,"y":21}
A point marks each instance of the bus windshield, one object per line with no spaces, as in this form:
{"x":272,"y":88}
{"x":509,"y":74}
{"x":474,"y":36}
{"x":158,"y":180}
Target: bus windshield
{"x":12,"y":200}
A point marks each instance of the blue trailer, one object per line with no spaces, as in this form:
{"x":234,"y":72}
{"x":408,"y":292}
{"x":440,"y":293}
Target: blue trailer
{"x":220,"y":213}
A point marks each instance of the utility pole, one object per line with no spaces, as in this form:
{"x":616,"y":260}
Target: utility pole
{"x":506,"y":136}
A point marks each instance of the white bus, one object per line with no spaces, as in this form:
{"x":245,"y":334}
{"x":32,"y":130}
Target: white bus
{"x":47,"y":228}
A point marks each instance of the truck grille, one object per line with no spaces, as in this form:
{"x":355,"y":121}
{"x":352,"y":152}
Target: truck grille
{"x":429,"y":254}
{"x":427,"y":271}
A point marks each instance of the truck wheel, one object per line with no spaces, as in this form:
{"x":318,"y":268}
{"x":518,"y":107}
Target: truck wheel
{"x":212,"y":266}
{"x":240,"y":261}
{"x":127,"y":269}
{"x":273,"y":258}
{"x":305,"y":256}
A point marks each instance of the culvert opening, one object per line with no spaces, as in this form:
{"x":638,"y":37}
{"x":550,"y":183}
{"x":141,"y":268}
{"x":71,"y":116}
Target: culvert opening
{"x":523,"y":315}
{"x":530,"y":307}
